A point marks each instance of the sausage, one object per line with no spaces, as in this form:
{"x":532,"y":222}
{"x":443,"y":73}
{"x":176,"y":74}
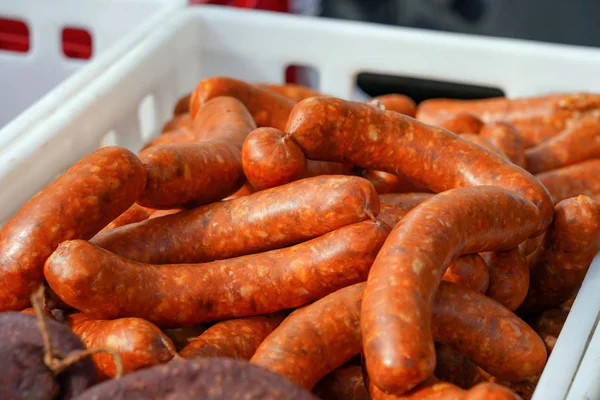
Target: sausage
{"x":579,"y":141}
{"x":483,"y":142}
{"x":135,"y":213}
{"x":177,"y":136}
{"x":235,"y":338}
{"x":292,"y":91}
{"x":430,"y":389}
{"x":207,"y":379}
{"x":490,"y":391}
{"x":180,"y":121}
{"x":462,"y":122}
{"x":162,"y":213}
{"x":530,"y":245}
{"x":396,"y":102}
{"x":269,"y":159}
{"x":559,"y":266}
{"x":258,"y":222}
{"x":506,"y":138}
{"x":183,"y":105}
{"x":549,"y":324}
{"x":78,"y":204}
{"x":181,"y":337}
{"x":188,"y":175}
{"x":406,"y":201}
{"x":344,"y":383}
{"x":225,"y":119}
{"x":453,"y":367}
{"x":139,"y":343}
{"x":268,"y":109}
{"x":391,"y":214}
{"x":86,"y":277}
{"x":330,"y":129}
{"x":316,"y":168}
{"x":571,"y":181}
{"x":385,"y":182}
{"x":320,"y":337}
{"x":509,"y":277}
{"x":469,"y":270}
{"x":24,"y":372}
{"x":245,"y":190}
{"x":429,"y":238}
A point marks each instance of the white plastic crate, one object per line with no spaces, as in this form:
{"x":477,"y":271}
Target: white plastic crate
{"x":127,"y":103}
{"x":114,"y":26}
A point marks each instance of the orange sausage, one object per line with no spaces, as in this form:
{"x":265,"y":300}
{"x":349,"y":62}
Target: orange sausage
{"x":453,"y":367}
{"x":490,"y":391}
{"x":385,"y":182}
{"x":291,"y":91}
{"x":181,"y":337}
{"x":571,"y":181}
{"x":245,"y":190}
{"x":179,"y":135}
{"x":344,"y":383}
{"x":396,"y":102}
{"x":135,"y":213}
{"x":483,"y":142}
{"x":267,"y":108}
{"x":406,"y":201}
{"x":469,"y":270}
{"x":462,"y":122}
{"x":506,"y":138}
{"x":430,"y":389}
{"x":180,"y":121}
{"x":183,"y":105}
{"x":509,"y":277}
{"x":549,"y":324}
{"x":162,"y":213}
{"x":78,"y":204}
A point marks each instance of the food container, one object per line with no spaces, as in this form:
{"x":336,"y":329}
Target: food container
{"x":129,"y":101}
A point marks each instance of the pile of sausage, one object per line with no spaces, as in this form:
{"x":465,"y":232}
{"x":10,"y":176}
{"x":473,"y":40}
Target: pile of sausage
{"x":274,"y":242}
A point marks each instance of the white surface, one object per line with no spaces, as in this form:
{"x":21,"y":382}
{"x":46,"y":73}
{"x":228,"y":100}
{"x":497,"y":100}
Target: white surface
{"x":255,"y":46}
{"x":28,"y":76}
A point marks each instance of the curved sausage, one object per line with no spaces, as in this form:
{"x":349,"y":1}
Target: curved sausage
{"x":177,"y":136}
{"x":506,"y":138}
{"x":139,"y":343}
{"x":235,"y":338}
{"x":483,"y":142}
{"x":462,"y":122}
{"x":344,"y":383}
{"x":258,"y":222}
{"x":453,"y":367}
{"x":570,"y":245}
{"x":385,"y":182}
{"x":509,"y":277}
{"x":180,"y":121}
{"x":182,"y":105}
{"x":406,"y":201}
{"x":578,"y":142}
{"x":188,"y":175}
{"x":430,"y":389}
{"x":135,"y":213}
{"x":268,"y":109}
{"x":571,"y":181}
{"x":530,"y":245}
{"x":78,"y":204}
{"x":315,"y":339}
{"x":270,"y":159}
{"x":292,"y":91}
{"x":469,"y":270}
{"x":490,"y":391}
{"x":416,"y":254}
{"x":330,"y":129}
{"x":107,"y":286}
{"x":396,"y":102}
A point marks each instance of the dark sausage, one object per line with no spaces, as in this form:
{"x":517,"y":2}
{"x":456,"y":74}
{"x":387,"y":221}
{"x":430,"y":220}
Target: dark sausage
{"x":181,"y":337}
{"x":406,"y":201}
{"x":261,"y":221}
{"x":76,"y":205}
{"x":182,"y":105}
{"x":344,"y":383}
{"x":453,"y":367}
{"x":506,"y":138}
{"x":509,"y":277}
{"x":571,"y":181}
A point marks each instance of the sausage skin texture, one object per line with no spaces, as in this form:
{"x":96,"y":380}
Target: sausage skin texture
{"x":177,"y":136}
{"x":571,"y":181}
{"x":244,"y":190}
{"x":344,"y":383}
{"x":235,"y":338}
{"x":385,"y":182}
{"x":416,"y":254}
{"x":183,"y":105}
{"x":483,"y":142}
{"x":406,"y":201}
{"x":225,"y":119}
{"x":208,"y":379}
{"x":580,"y":141}
{"x":469,"y":270}
{"x":139,"y":343}
{"x":490,"y":391}
{"x":258,"y":222}
{"x":462,"y":122}
{"x":77,"y":205}
{"x":398,"y":103}
{"x":549,"y":324}
{"x":506,"y":138}
{"x":292,"y":91}
{"x":188,"y":175}
{"x":453,"y":367}
{"x":85,"y":276}
{"x":180,"y":121}
{"x":390,"y":214}
{"x":181,"y":337}
{"x":509,"y":277}
{"x":560,"y":264}
{"x":431,"y":389}
{"x":331,"y":129}
{"x":135,"y":213}
{"x":268,"y":109}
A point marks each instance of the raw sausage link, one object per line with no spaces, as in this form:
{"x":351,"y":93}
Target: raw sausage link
{"x":390,"y":214}
{"x":483,"y":142}
{"x":182,"y":105}
{"x":490,"y":391}
{"x":469,"y":270}
{"x":139,"y":342}
{"x":571,"y":181}
{"x":578,"y":142}
{"x":267,"y":108}
{"x":453,"y":367}
{"x":430,"y":389}
{"x":245,"y":190}
{"x":162,"y":213}
{"x":224,"y":118}
{"x":396,"y":313}
{"x":509,"y":277}
{"x":188,"y":175}
{"x":570,"y":245}
{"x":235,"y":338}
{"x":344,"y":383}
{"x":107,"y":286}
{"x":406,"y":201}
{"x":181,"y":121}
{"x":316,"y":168}
{"x":177,"y":136}
{"x":548,"y":325}
{"x":269,"y":159}
{"x":331,"y":129}
{"x":396,"y":102}
{"x":135,"y":213}
{"x":292,"y":91}
{"x":506,"y":138}
{"x":78,"y":204}
{"x":462,"y":122}
{"x":261,"y":221}
{"x":530,"y":245}
{"x":385,"y":182}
